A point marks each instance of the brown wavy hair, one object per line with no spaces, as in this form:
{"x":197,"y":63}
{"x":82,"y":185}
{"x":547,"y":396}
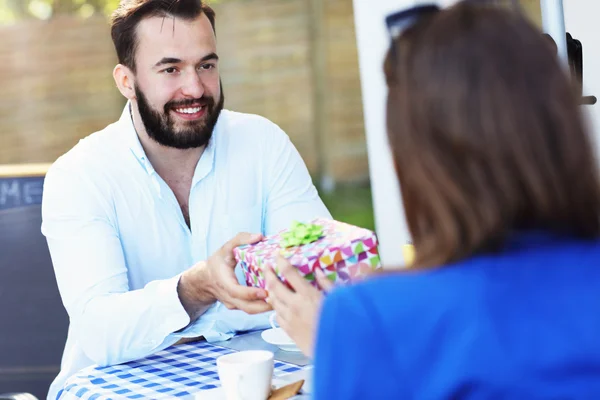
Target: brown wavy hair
{"x":487,"y":135}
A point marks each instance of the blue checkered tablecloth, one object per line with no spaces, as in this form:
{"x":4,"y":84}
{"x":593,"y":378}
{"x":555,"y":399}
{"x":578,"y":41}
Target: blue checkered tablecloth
{"x":176,"y":372}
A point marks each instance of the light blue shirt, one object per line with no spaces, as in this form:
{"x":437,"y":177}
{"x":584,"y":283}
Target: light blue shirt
{"x":119,"y":242}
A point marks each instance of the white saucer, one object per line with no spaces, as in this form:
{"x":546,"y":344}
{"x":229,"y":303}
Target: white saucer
{"x":278,"y":337}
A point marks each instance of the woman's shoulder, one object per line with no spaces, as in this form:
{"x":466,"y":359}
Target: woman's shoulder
{"x":395,"y":285}
{"x":449,"y":286}
{"x":394,"y":295}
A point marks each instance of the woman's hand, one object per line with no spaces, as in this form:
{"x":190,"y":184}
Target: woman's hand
{"x":297,"y":310}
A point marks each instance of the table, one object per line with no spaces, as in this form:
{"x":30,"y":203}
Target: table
{"x":179,"y":372}
{"x":253,"y":341}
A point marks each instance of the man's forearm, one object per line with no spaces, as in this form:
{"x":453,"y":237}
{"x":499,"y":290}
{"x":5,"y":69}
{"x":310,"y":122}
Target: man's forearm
{"x":194,"y":293}
{"x":126,"y":326}
{"x":190,"y":302}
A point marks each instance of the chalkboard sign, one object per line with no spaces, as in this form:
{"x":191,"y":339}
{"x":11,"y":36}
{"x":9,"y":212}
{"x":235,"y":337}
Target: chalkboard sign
{"x":21,"y":192}
{"x":31,"y":312}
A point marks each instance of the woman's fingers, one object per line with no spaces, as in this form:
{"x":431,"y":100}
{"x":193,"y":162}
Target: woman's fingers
{"x":324,"y":283}
{"x":277,"y":291}
{"x":294,"y":278}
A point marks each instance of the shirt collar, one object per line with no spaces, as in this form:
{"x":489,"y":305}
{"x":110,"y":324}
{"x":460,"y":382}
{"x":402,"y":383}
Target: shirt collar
{"x":207,"y":160}
{"x":132,"y":141}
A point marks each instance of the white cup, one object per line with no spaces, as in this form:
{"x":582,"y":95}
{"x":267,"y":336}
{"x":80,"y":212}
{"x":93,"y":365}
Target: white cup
{"x":246,"y":375}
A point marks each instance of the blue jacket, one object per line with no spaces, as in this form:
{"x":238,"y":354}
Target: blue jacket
{"x":520,"y":324}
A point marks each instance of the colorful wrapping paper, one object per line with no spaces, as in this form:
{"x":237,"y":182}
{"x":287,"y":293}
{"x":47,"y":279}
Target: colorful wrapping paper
{"x":344,"y":252}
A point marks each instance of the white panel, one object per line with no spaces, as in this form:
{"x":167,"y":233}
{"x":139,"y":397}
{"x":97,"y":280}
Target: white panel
{"x":581,"y":21}
{"x":373,"y":43}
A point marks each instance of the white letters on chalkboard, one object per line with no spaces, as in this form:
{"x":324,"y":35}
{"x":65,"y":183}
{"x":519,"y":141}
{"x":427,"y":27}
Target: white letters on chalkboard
{"x":10,"y":191}
{"x":20,"y":192}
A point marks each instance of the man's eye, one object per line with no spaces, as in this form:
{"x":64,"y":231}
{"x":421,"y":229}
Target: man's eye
{"x":207,"y":66}
{"x":170,"y":70}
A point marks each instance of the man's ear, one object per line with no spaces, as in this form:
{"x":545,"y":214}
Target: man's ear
{"x":124,"y":79}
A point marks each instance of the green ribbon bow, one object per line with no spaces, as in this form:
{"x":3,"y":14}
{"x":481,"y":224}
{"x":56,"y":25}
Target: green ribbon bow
{"x":300,"y":234}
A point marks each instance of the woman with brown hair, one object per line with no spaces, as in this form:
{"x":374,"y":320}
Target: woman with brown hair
{"x":502,"y":198}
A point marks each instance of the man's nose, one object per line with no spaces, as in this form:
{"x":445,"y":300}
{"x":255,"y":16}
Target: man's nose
{"x":193,"y":86}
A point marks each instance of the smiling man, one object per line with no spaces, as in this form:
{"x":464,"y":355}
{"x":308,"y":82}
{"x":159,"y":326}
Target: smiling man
{"x":141,"y":217}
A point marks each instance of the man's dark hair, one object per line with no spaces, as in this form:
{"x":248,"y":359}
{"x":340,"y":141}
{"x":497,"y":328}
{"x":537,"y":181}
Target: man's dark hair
{"x":128,"y":15}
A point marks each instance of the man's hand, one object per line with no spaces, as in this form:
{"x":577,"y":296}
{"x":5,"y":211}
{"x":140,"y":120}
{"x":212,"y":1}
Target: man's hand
{"x":215,"y":280}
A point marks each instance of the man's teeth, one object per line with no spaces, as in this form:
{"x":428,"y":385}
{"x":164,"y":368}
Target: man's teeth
{"x":189,"y":110}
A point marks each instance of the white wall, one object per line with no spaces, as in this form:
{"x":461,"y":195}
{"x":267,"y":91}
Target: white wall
{"x":581,"y":21}
{"x":373,"y":42}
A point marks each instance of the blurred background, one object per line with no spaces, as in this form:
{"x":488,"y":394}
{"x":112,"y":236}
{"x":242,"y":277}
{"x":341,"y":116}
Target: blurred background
{"x":292,"y":61}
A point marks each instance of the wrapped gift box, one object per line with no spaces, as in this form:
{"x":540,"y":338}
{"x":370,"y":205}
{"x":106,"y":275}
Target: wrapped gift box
{"x":344,"y":252}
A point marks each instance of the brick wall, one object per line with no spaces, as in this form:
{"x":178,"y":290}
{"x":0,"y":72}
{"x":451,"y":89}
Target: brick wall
{"x":265,"y":65}
{"x":56,"y":78}
{"x":346,"y":134}
{"x":58,"y":87}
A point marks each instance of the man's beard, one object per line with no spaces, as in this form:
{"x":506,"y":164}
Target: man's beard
{"x":161,"y":128}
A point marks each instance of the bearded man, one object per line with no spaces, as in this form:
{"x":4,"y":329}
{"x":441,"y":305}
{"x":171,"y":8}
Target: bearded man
{"x":141,"y":217}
